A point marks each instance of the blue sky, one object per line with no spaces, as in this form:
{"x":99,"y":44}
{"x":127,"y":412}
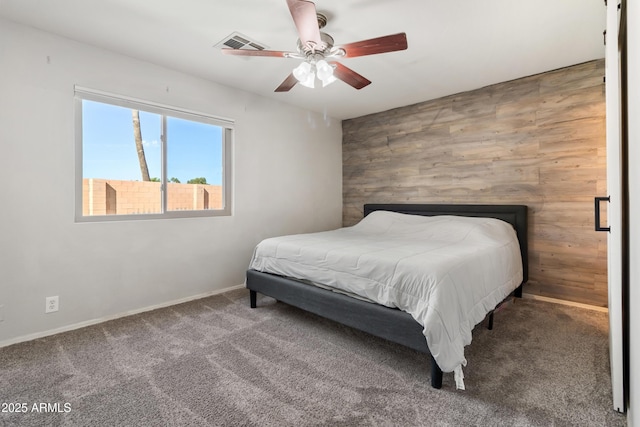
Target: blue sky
{"x":109,"y":150}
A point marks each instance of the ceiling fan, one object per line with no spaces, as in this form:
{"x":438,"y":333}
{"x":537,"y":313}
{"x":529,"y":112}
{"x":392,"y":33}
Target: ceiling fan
{"x":318,"y":52}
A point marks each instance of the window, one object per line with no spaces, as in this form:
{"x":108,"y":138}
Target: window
{"x":137,"y":160}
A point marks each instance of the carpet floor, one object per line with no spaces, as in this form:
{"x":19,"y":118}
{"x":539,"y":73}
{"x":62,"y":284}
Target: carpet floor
{"x":216,"y":362}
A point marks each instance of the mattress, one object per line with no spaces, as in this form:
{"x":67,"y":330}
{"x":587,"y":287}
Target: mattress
{"x":447,"y":272}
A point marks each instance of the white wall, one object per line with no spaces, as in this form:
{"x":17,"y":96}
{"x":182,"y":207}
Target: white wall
{"x":287,"y":179}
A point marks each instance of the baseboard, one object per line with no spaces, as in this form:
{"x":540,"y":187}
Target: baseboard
{"x":563,"y":302}
{"x":91,"y":322}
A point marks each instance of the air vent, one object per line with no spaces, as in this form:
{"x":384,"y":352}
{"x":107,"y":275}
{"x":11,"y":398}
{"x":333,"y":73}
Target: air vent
{"x":239,"y":41}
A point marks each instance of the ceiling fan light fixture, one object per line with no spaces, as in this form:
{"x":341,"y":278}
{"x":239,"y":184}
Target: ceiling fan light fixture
{"x":326,"y":82}
{"x":325,"y":72}
{"x":302,"y":71}
{"x":309,"y":81}
{"x":304,"y":74}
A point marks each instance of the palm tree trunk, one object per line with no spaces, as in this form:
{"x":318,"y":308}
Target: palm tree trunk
{"x":137,"y":135}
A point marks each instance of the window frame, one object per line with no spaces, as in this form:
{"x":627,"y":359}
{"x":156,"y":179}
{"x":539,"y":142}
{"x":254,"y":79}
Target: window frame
{"x":164,"y":111}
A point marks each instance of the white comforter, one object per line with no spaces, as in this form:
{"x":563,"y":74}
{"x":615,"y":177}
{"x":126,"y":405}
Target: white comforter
{"x":448,"y":272}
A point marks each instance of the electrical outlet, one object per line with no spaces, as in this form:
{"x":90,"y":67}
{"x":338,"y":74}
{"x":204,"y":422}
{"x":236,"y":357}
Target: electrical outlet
{"x":51,"y":304}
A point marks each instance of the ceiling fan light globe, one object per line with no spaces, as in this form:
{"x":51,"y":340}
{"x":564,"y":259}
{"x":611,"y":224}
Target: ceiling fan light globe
{"x":327,"y":81}
{"x":302,"y":72}
{"x":324,"y":70}
{"x":309,"y":81}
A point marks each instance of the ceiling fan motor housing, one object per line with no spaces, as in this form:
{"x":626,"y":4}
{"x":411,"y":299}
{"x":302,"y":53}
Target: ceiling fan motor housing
{"x":310,"y":49}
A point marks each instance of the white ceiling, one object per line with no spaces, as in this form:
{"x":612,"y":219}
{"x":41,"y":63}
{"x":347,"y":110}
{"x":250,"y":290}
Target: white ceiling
{"x":454,"y":45}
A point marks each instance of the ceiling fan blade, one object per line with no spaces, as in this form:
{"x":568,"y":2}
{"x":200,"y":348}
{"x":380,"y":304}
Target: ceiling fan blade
{"x":287,"y":84}
{"x":306,"y":19}
{"x":349,"y":76}
{"x":248,"y":52}
{"x":382,"y":44}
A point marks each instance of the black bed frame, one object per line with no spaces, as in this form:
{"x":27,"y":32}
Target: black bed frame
{"x":384,"y":322}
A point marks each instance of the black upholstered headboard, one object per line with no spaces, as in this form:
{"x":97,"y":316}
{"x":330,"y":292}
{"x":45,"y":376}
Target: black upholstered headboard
{"x":515,"y":215}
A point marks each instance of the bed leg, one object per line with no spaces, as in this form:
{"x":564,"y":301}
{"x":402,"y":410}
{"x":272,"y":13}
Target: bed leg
{"x":252,"y":298}
{"x":436,"y":374}
{"x":490,"y":325}
{"x":518,"y":292}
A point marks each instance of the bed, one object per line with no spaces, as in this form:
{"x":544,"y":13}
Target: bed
{"x":402,"y":320}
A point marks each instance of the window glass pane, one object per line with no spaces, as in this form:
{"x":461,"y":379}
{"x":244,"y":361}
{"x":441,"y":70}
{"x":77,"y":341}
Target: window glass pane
{"x":194,"y":165}
{"x":124,"y":159}
{"x":114,"y":159}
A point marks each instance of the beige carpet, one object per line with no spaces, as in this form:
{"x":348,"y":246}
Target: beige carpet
{"x":216,"y":362}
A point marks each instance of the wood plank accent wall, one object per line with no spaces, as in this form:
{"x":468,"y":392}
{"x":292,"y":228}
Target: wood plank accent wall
{"x":538,"y":141}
